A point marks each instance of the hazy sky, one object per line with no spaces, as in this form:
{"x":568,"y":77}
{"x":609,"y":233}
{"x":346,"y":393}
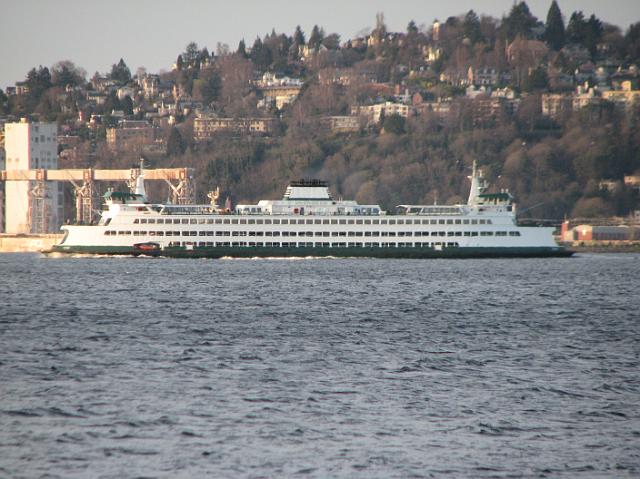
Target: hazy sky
{"x":151,"y":33}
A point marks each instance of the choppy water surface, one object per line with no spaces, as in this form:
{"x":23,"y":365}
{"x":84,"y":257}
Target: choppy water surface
{"x":125,"y":367}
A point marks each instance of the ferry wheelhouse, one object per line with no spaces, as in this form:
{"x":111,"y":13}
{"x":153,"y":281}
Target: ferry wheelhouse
{"x":308,"y":221}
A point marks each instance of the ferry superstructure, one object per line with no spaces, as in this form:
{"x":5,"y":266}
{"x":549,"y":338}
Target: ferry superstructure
{"x":308,"y":221}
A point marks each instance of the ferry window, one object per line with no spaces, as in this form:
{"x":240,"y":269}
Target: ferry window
{"x":343,"y":222}
{"x":143,"y":221}
{"x":193,"y":221}
{"x":375,"y":222}
{"x":384,"y":233}
{"x":318,"y":233}
{"x":159,"y":233}
{"x":352,"y":233}
{"x":458,"y":233}
{"x":501,"y":233}
{"x":185,"y":221}
{"x":243,"y":222}
{"x":209,"y":221}
{"x":350,"y":222}
{"x":467,"y":233}
{"x":258,"y":222}
{"x":514,"y":233}
{"x":160,"y":221}
{"x":276,"y":222}
{"x":284,"y":222}
{"x":175,"y":221}
{"x":367,"y":233}
{"x":440,"y":222}
{"x":458,"y":222}
{"x":325,"y":222}
{"x":217,"y":221}
{"x":234,"y":222}
{"x":151,"y":221}
{"x":481,"y":222}
{"x":136,"y":221}
{"x":226,"y":222}
{"x":489,"y":222}
{"x":474,"y":233}
{"x":392,"y":222}
{"x":433,"y":222}
{"x":317,"y":222}
{"x":334,"y":222}
{"x":466,"y":222}
{"x":276,"y":233}
{"x":326,"y":233}
{"x":474,"y":222}
{"x":358,"y":222}
{"x":450,"y":233}
{"x":392,"y":233}
{"x":201,"y":221}
{"x":267,"y":222}
{"x":449,"y":222}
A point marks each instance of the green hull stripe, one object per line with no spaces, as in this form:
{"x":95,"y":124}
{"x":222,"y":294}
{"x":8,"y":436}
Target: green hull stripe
{"x":303,"y":252}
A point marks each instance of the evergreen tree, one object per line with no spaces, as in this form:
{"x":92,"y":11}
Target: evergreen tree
{"x":471,"y":27}
{"x":179,"y":63}
{"x":120,"y":72}
{"x":317,"y":35}
{"x":519,"y":22}
{"x":576,"y":29}
{"x":412,"y":28}
{"x":127,"y":105}
{"x":242,"y":49}
{"x":554,"y":28}
{"x":298,"y":36}
{"x":587,"y":33}
{"x":175,"y":143}
{"x":191,"y":53}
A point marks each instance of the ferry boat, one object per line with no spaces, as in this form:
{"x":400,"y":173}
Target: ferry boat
{"x":309,"y":222}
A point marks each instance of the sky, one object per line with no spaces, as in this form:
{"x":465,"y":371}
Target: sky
{"x":151,"y":33}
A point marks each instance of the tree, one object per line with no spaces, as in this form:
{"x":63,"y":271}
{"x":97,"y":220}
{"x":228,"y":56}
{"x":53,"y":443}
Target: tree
{"x":554,"y":29}
{"x":585,"y":32}
{"x":66,"y":73}
{"x":317,"y":35}
{"x":537,"y":80}
{"x":242,"y":49}
{"x":211,"y":85}
{"x":632,"y":40}
{"x":120,"y":72}
{"x":471,"y":27}
{"x":412,"y":28}
{"x":176,"y":145}
{"x":332,"y":42}
{"x":127,"y":105}
{"x":394,"y":124}
{"x":519,"y":22}
{"x":191,"y":53}
{"x":179,"y":63}
{"x":298,"y":36}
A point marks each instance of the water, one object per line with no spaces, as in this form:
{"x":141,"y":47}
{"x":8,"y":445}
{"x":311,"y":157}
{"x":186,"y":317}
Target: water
{"x":134,"y":367}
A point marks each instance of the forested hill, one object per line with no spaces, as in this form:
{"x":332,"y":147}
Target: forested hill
{"x":548,"y":107}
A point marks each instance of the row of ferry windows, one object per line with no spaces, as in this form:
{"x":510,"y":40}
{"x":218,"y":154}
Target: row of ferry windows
{"x":300,"y":244}
{"x":326,"y":221}
{"x":314,"y":233}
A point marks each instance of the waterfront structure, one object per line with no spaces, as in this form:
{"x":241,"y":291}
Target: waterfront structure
{"x":308,"y":221}
{"x":32,"y":206}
